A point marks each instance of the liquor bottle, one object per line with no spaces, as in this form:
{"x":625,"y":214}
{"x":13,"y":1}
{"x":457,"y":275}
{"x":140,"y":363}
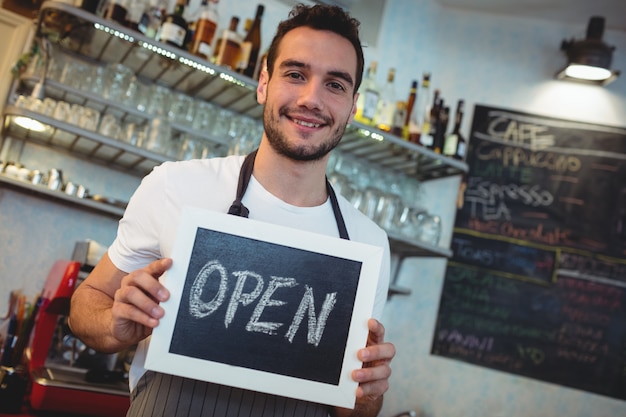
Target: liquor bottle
{"x":442,"y":126}
{"x":429,"y":122}
{"x":173,"y":30}
{"x":369,"y":94}
{"x":456,"y":144}
{"x":383,"y":119}
{"x":228,"y":46}
{"x":244,"y":55}
{"x":116,"y":10}
{"x":152,"y":18}
{"x":410,"y":103}
{"x":399,"y":116}
{"x":418,"y":114}
{"x":202,"y":42}
{"x":135,"y":11}
{"x":251,"y":44}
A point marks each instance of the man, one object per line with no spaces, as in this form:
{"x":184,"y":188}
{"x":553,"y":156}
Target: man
{"x":308,"y":90}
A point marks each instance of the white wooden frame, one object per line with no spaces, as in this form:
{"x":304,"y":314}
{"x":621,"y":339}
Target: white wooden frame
{"x":160,"y":359}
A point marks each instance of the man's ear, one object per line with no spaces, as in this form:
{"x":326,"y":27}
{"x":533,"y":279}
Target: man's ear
{"x":353,"y":112}
{"x":261,"y":89}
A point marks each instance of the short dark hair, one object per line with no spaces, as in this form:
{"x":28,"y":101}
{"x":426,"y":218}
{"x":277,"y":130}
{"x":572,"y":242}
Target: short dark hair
{"x":320,"y":17}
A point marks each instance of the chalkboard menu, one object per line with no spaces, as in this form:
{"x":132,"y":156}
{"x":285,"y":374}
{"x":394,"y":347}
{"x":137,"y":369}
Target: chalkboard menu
{"x":537,"y":282}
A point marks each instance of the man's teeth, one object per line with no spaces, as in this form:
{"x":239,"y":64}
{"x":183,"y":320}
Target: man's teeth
{"x":306,"y":124}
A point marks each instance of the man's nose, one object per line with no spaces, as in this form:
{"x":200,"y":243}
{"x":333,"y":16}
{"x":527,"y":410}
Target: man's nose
{"x":311,"y":95}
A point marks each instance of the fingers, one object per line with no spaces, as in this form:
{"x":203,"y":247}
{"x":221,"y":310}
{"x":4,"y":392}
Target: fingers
{"x":136,"y":308}
{"x":373,"y":378}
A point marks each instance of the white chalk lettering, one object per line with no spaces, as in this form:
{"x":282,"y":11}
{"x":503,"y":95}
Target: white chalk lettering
{"x":198,"y":308}
{"x":316,"y":327}
{"x":239,"y":297}
{"x":254,"y":325}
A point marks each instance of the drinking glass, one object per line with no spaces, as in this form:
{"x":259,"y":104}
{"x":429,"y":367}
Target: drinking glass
{"x":110,"y":126}
{"x":62,"y":111}
{"x":118,"y":77}
{"x":222,"y":124}
{"x":181,"y":109}
{"x":159,"y":100}
{"x":159,"y":136}
{"x":90,"y":119}
{"x":48,"y":106}
{"x":76,"y":114}
{"x":205,"y":114}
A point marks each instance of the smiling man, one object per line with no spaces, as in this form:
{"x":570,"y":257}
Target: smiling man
{"x":308,"y":91}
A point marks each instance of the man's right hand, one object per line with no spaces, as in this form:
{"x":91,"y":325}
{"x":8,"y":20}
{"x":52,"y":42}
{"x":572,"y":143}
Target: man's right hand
{"x":136,"y":310}
{"x":113,"y":310}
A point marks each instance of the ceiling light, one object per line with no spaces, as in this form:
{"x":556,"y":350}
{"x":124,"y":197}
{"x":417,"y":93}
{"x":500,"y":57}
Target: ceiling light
{"x":589,"y":60}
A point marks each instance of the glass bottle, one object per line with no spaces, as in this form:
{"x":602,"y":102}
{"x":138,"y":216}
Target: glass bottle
{"x":251,"y":44}
{"x":442,"y":126}
{"x":152,"y":18}
{"x":417,"y":115}
{"x":202,"y":43}
{"x":135,"y":12}
{"x":429,"y":122}
{"x":117,"y":11}
{"x":386,"y":108}
{"x":244,"y":55}
{"x":173,"y":30}
{"x":228,"y":46}
{"x":410,"y":103}
{"x":369,"y":94}
{"x":455,"y":145}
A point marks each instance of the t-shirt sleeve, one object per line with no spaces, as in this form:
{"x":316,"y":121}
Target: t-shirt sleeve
{"x":137,"y":240}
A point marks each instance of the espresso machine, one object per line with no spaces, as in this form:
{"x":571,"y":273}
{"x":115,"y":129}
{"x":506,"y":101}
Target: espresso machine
{"x":67,"y":376}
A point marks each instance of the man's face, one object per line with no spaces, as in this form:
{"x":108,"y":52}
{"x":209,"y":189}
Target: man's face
{"x":310,"y":97}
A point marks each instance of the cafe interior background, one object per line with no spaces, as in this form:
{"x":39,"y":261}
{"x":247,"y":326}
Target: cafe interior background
{"x":504,"y":57}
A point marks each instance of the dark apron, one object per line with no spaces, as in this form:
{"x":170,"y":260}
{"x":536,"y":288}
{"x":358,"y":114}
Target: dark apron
{"x":163,"y":395}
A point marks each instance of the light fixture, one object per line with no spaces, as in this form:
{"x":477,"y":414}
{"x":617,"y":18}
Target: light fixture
{"x":589,"y":60}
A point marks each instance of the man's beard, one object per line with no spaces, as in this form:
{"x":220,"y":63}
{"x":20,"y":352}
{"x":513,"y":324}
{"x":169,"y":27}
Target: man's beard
{"x":280,"y":143}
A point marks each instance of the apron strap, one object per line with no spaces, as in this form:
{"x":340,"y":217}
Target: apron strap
{"x":238,"y":209}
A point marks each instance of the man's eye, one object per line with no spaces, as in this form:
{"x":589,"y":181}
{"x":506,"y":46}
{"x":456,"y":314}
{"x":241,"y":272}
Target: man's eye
{"x":294,"y":75}
{"x":336,"y":86}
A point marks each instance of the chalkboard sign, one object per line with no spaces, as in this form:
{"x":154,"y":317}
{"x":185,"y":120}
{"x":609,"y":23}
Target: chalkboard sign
{"x":537,"y":282}
{"x":266,"y":308}
{"x":507,"y":257}
{"x":571,"y":332}
{"x":546,"y":180}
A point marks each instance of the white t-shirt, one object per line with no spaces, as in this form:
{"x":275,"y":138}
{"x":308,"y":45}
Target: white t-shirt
{"x":148,"y":229}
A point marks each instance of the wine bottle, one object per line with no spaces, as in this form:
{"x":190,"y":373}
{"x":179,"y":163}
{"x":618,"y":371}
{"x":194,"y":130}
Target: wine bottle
{"x":152,"y":18}
{"x":383,"y":119}
{"x":135,"y":11}
{"x":455,"y":145}
{"x":369,"y":94}
{"x":206,"y":26}
{"x":420,"y":109}
{"x":410,"y":103}
{"x":244,"y":55}
{"x":442,"y":126}
{"x":429,"y":122}
{"x":173,"y":30}
{"x":116,"y":10}
{"x":228,"y":46}
{"x":399,"y":116}
{"x":251,"y":44}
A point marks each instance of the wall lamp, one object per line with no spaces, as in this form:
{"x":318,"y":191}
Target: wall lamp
{"x":589,"y":60}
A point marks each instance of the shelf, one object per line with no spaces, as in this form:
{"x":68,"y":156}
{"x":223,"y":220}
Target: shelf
{"x":87,"y":35}
{"x":41,"y":190}
{"x":86,"y":143}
